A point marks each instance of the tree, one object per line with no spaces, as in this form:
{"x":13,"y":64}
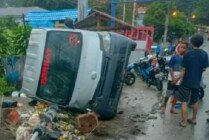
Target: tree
{"x":11,"y":3}
{"x":179,"y":25}
{"x":52,"y":4}
{"x":202,"y":11}
{"x":13,"y":38}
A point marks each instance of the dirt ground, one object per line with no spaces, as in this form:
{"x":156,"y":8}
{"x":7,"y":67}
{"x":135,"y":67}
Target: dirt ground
{"x":138,"y":104}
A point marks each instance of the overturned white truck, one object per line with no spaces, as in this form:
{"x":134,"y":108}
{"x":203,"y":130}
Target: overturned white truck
{"x":77,"y":69}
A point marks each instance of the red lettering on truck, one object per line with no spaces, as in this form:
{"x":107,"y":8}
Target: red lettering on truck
{"x":45,"y":67}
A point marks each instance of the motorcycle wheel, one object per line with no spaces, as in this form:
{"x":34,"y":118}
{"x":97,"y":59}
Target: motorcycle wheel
{"x":159,"y":85}
{"x":130,"y":79}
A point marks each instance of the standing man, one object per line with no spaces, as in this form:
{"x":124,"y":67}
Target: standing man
{"x":174,"y":73}
{"x":194,"y":64}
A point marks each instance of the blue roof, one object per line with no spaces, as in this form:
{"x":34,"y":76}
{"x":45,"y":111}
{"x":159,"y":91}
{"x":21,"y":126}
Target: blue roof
{"x":52,"y":15}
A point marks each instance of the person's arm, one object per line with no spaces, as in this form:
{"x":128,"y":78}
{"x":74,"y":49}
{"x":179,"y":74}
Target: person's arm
{"x":183,"y":69}
{"x":206,"y":63}
{"x":182,"y":73}
{"x":172,"y":73}
{"x":171,"y":66}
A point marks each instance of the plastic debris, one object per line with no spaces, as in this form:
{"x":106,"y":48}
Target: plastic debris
{"x":15,"y":93}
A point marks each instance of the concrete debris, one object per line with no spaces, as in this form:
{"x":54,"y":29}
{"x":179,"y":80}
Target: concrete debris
{"x":20,"y":104}
{"x":143,"y":133}
{"x":207,"y":111}
{"x":23,"y":95}
{"x":34,"y":120}
{"x":13,"y":117}
{"x":23,"y":132}
{"x":152,"y":117}
{"x":24,"y":116}
{"x":137,"y":130}
{"x":64,"y":126}
{"x":87,"y":122}
{"x":153,"y":112}
{"x":140,"y":117}
{"x":15,"y":93}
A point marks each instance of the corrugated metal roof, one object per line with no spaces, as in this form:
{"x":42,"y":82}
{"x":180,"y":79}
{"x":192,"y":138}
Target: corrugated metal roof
{"x":42,"y":24}
{"x":18,"y":11}
{"x":52,"y":15}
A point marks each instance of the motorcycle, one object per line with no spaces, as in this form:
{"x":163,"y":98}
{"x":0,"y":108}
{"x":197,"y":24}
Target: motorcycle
{"x":155,"y":78}
{"x":163,"y":64}
{"x":130,"y":78}
{"x":149,"y":73}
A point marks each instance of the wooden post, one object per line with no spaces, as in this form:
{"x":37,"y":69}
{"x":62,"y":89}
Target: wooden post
{"x":98,"y":22}
{"x":82,"y":9}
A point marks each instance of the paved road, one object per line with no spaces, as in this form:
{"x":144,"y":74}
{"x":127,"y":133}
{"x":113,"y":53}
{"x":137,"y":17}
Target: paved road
{"x":140,"y":100}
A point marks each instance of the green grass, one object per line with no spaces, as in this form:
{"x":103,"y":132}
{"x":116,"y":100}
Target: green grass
{"x":5,"y":86}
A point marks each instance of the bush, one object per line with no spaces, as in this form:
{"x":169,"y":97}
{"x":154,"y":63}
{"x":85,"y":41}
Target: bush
{"x":5,"y":86}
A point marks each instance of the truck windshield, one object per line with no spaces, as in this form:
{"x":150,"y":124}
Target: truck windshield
{"x":60,"y":66}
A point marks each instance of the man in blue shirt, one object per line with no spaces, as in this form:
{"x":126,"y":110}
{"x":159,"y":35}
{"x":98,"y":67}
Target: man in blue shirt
{"x":174,"y":72}
{"x":193,"y":64}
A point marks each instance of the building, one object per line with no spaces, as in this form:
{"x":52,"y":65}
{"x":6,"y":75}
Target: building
{"x":141,"y":11}
{"x":54,"y":18}
{"x":17,"y":12}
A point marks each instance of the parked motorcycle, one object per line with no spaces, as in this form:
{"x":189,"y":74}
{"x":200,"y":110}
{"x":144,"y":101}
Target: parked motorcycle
{"x":155,"y":78}
{"x":130,"y":78}
{"x":163,"y":64}
{"x":149,"y":73}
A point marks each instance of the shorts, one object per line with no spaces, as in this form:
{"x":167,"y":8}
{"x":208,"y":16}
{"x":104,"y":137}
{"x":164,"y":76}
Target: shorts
{"x":186,"y":94}
{"x":171,"y":89}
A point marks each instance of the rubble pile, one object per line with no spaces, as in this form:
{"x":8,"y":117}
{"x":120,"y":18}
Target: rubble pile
{"x":64,"y":126}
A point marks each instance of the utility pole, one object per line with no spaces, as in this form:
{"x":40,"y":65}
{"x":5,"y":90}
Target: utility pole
{"x":124,"y":10}
{"x":166,"y":25}
{"x":82,"y":9}
{"x":166,"y":29}
{"x":113,"y":13}
{"x":134,"y":13}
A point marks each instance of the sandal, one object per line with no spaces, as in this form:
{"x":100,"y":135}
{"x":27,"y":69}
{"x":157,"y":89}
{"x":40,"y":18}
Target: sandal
{"x":182,"y":124}
{"x":173,"y":112}
{"x":191,"y":121}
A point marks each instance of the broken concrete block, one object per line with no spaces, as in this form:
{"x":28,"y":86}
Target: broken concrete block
{"x":87,"y":122}
{"x":34,"y":120}
{"x":23,"y":133}
{"x":13,"y":117}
